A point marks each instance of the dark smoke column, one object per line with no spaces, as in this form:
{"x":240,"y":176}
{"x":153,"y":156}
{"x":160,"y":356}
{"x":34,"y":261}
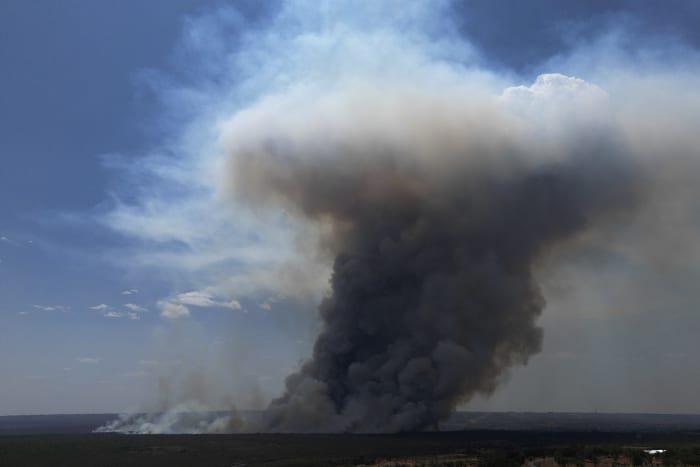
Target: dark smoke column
{"x":432,"y":292}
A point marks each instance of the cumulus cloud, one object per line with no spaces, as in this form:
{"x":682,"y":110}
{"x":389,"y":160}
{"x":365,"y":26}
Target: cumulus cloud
{"x":172,"y":310}
{"x":178,"y":305}
{"x":61,"y":308}
{"x":130,"y":291}
{"x":109,"y":311}
{"x":201,"y":298}
{"x":113,"y":314}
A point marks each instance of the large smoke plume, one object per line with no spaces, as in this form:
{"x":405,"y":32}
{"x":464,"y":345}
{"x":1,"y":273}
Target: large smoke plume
{"x":436,"y":190}
{"x":435,"y":206}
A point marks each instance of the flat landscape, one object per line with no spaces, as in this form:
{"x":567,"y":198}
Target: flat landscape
{"x":559,"y":444}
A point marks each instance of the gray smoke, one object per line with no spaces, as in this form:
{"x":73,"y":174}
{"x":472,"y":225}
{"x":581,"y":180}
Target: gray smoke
{"x":435,"y":207}
{"x":435,"y":203}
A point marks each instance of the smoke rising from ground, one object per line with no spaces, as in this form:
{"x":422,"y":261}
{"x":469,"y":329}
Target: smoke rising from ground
{"x":436,"y":191}
{"x":435,"y":206}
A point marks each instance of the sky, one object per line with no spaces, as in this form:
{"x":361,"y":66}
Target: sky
{"x":128,"y":281}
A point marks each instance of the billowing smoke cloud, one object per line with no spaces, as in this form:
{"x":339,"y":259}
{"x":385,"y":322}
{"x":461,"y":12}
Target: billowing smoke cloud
{"x":435,"y":206}
{"x":436,"y":190}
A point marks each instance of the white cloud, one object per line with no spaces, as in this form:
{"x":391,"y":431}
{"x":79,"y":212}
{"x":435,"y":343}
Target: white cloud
{"x":557,"y":88}
{"x":201,"y":298}
{"x":88,"y":360}
{"x":196,"y":298}
{"x":108,"y":312}
{"x":23,"y":313}
{"x":177,"y":306}
{"x":4,"y":239}
{"x":130,"y":291}
{"x":173,"y":310}
{"x":52,"y":307}
{"x":551,"y":97}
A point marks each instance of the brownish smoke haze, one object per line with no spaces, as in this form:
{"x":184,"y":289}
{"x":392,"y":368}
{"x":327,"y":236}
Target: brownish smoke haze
{"x":435,"y":207}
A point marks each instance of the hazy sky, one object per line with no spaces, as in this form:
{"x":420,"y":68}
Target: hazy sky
{"x":127,"y":281}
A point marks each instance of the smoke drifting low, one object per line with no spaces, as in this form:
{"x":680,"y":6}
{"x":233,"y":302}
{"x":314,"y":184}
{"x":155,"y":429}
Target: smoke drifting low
{"x":435,"y":206}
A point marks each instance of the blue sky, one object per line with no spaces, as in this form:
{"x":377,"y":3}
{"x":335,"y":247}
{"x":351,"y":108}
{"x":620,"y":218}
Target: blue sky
{"x":119,"y":268}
